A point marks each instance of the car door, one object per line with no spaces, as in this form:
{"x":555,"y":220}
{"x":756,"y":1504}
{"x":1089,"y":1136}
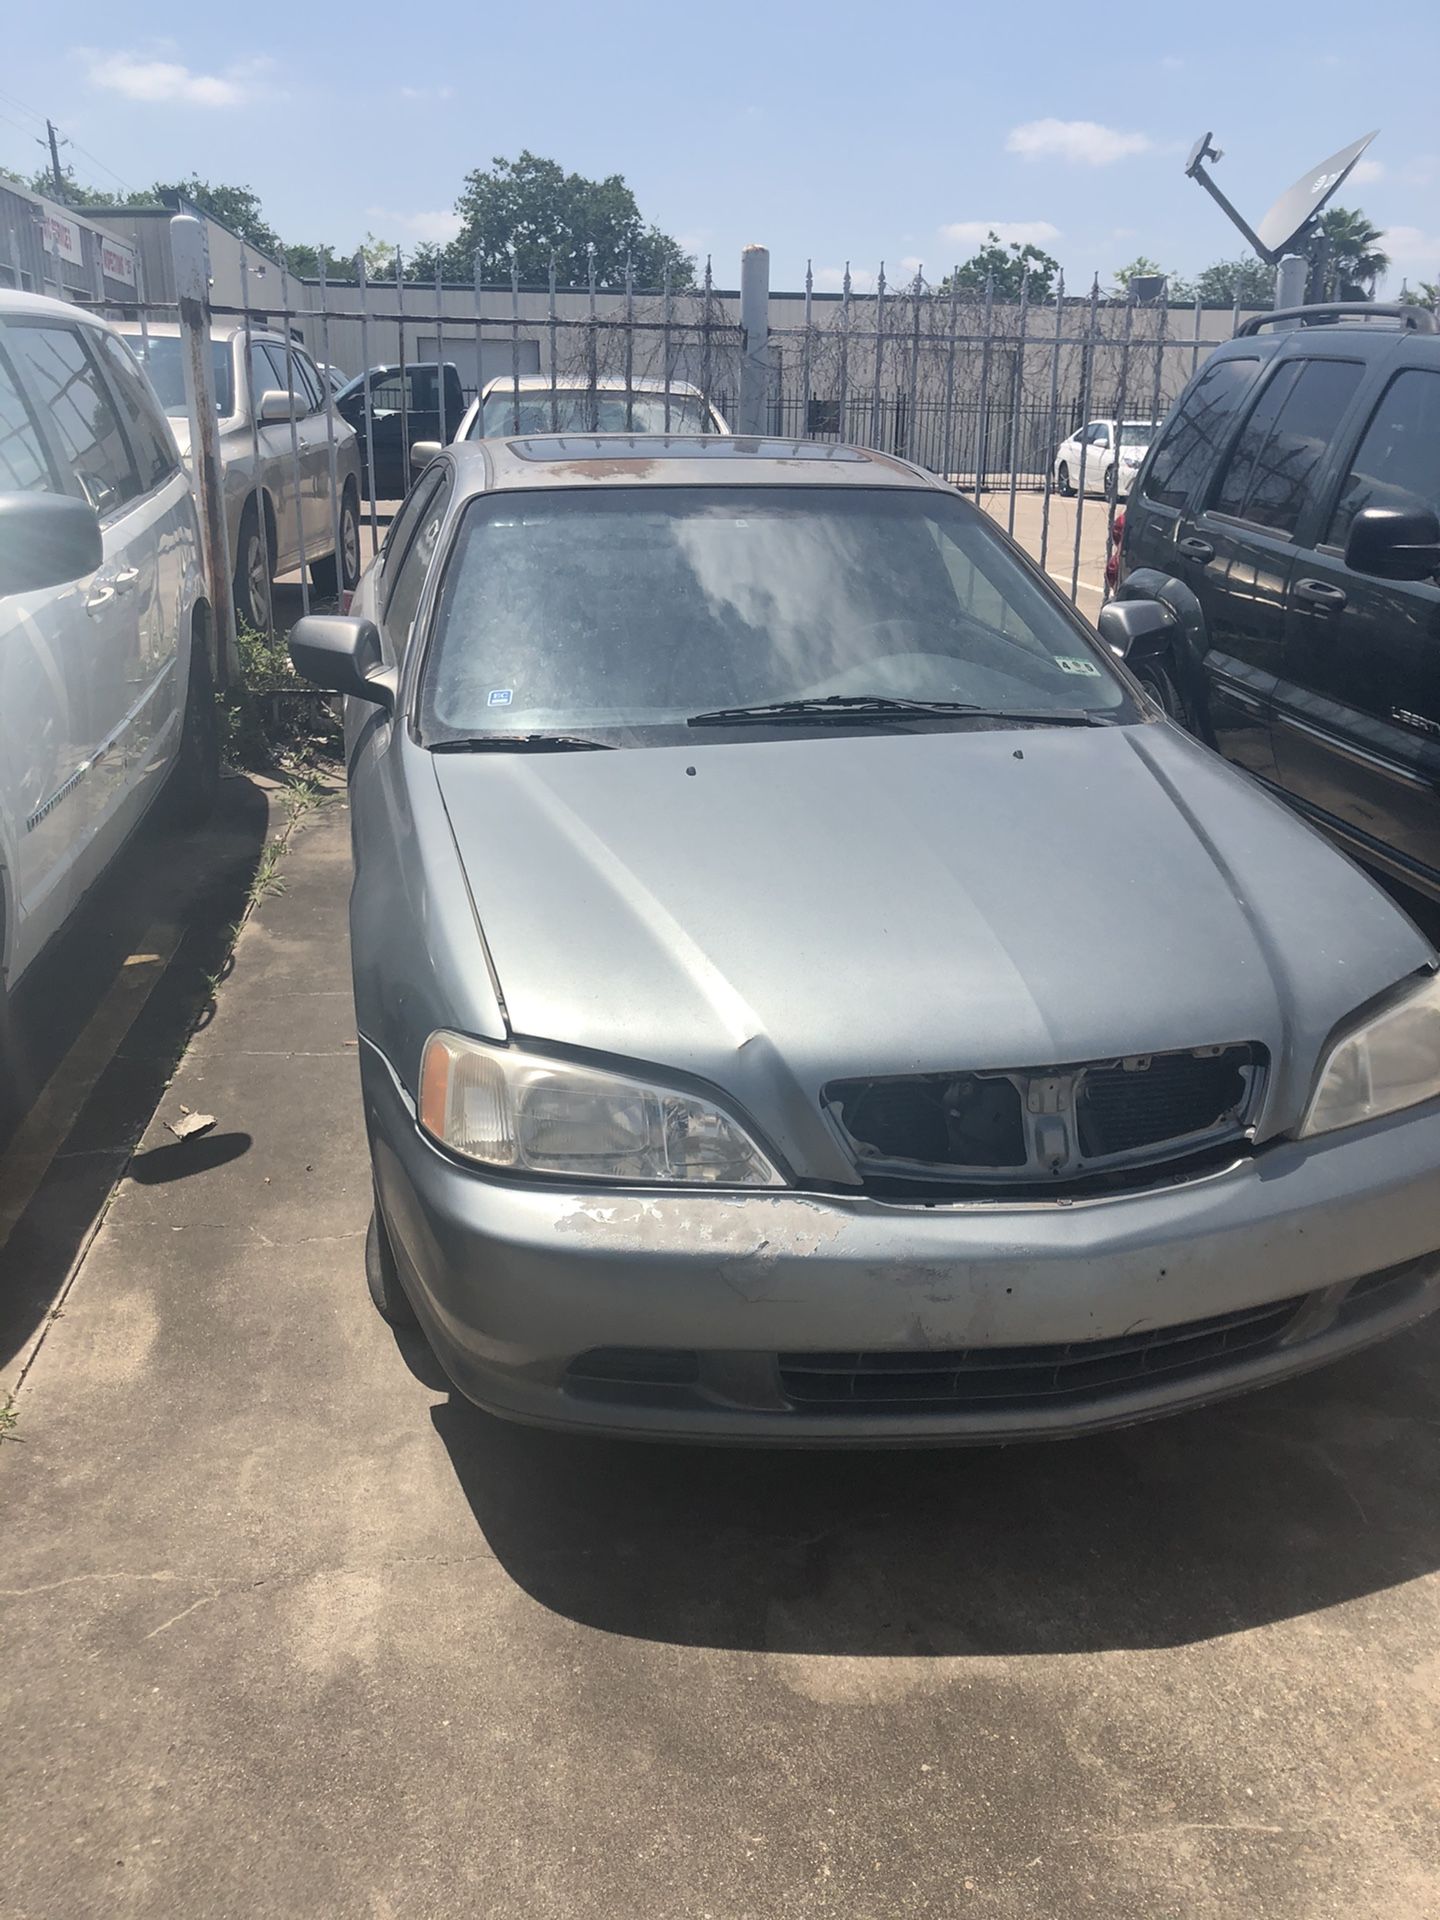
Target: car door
{"x":155,"y":715}
{"x":1236,"y":553}
{"x":71,"y":663}
{"x":44,"y":705}
{"x":314,"y":438}
{"x":1358,"y":706}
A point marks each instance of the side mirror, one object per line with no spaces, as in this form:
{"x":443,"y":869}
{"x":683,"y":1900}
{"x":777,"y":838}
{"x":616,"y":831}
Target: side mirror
{"x":46,"y":540}
{"x":422,"y":453}
{"x":276,"y":406}
{"x":1132,"y":628}
{"x":1394,"y":543}
{"x":344,"y":656}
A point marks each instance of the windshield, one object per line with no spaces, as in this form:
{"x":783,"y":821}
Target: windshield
{"x":579,"y":411}
{"x":160,"y":357}
{"x":1137,"y":433}
{"x":634,"y":608}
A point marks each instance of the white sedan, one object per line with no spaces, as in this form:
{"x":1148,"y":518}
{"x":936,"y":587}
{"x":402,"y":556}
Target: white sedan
{"x":1091,"y":451}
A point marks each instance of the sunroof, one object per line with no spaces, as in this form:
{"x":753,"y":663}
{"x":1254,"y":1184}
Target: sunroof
{"x":659,"y":446}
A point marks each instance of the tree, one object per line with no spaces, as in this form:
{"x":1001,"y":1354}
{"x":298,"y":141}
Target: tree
{"x":234,"y":207}
{"x":1427,"y":294}
{"x":525,"y":211}
{"x":1224,"y":282}
{"x":73,"y":194}
{"x":1356,"y":259}
{"x":1142,"y":267}
{"x":1007,"y":269}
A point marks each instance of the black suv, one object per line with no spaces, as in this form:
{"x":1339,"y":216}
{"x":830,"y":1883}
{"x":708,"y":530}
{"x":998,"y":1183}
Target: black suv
{"x":1285,"y":521}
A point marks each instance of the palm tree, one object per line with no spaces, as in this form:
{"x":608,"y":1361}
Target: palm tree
{"x":1356,"y":259}
{"x":1427,"y":294}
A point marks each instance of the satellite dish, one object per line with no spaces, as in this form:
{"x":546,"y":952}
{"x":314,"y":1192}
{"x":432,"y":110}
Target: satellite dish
{"x":1293,"y":211}
{"x":1200,"y":151}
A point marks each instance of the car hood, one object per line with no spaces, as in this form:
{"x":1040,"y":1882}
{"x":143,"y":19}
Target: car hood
{"x":803,"y":909}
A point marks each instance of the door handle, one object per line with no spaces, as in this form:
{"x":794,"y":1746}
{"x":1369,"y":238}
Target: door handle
{"x":99,"y":596}
{"x":1320,"y":593}
{"x":1194,"y":549}
{"x":125,"y":579}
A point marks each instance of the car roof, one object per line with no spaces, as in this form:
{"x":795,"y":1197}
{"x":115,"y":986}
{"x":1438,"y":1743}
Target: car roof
{"x":672,"y":460}
{"x":40,"y":305}
{"x":221,"y":330}
{"x":606,"y":383}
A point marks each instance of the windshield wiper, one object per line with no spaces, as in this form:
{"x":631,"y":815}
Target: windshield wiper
{"x":522,"y":743}
{"x":879,"y":706}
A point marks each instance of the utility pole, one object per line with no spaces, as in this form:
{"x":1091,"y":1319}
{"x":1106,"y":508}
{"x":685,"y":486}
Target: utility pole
{"x":55,"y":173}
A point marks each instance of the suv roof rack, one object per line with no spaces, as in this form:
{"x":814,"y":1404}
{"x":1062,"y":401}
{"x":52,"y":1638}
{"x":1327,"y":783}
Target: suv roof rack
{"x":1411,"y":319}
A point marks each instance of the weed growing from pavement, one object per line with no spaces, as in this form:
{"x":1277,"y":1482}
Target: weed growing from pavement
{"x":9,"y":1417}
{"x":268,"y":712}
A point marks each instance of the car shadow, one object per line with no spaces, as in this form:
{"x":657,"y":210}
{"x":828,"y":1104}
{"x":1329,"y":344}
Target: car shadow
{"x":65,"y":1035}
{"x":1296,"y":1498}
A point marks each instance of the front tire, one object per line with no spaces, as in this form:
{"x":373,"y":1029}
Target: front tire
{"x":1158,"y":679}
{"x":340,"y":572}
{"x":254,"y":571}
{"x":195,"y":778}
{"x":1062,"y":479}
{"x":390,"y":1299}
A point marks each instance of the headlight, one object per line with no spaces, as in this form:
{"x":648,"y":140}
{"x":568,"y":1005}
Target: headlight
{"x":1392,"y":1061}
{"x":522,"y":1112}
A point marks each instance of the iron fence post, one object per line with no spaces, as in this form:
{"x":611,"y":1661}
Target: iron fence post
{"x":362,"y":276}
{"x":261,"y":516}
{"x":330,"y":447}
{"x":192,"y":291}
{"x":1054,"y":420}
{"x":876,"y":423}
{"x":982,"y":446}
{"x":754,"y":338}
{"x":1087,"y":377}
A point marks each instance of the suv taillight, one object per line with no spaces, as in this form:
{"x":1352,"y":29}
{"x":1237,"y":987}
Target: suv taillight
{"x":1112,"y":557}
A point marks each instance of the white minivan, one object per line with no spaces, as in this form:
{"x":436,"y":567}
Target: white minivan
{"x":106,"y":674}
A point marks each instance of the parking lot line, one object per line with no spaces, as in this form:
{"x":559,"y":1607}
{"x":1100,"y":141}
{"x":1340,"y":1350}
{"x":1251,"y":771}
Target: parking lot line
{"x":48,"y":1124}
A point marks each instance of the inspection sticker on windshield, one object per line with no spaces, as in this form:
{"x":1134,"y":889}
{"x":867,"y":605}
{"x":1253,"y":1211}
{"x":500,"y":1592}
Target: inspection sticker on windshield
{"x":500,"y":696}
{"x":1066,"y":662}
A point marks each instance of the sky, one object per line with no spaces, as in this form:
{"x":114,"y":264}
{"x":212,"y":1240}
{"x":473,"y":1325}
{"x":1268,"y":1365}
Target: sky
{"x":898,"y":131}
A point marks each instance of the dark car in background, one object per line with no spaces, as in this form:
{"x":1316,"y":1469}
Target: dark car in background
{"x":1286,"y":522}
{"x":415,"y":402}
{"x":805,"y":992}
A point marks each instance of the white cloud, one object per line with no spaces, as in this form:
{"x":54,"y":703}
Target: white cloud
{"x":1084,"y":143}
{"x":428,"y":228}
{"x":974,"y":233}
{"x":1368,"y":171}
{"x":1171,"y":62}
{"x":1412,"y":249}
{"x":427,"y":93}
{"x":169,"y":83}
{"x":1421,"y":171}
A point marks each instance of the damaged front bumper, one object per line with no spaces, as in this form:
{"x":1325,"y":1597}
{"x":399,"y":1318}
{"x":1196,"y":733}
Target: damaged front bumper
{"x":792,"y":1317}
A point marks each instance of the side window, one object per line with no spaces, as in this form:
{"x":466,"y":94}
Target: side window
{"x":24,"y":467}
{"x":424,"y":390}
{"x":387,"y":395}
{"x":68,"y":386}
{"x":403,"y":588}
{"x":150,"y":438}
{"x":1188,"y":444}
{"x":1397,"y":463}
{"x":263,"y":375}
{"x":1283,"y":442}
{"x":1099,"y":434}
{"x":281,"y":376}
{"x":309,"y":378}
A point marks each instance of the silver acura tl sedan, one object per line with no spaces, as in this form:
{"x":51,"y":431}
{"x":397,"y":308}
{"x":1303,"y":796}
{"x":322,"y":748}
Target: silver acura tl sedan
{"x":805,"y":993}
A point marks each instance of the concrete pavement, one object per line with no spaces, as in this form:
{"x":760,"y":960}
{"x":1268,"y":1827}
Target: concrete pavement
{"x":289,"y":1629}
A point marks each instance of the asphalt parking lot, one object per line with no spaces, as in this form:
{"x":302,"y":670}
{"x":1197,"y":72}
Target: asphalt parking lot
{"x":289,"y":1628}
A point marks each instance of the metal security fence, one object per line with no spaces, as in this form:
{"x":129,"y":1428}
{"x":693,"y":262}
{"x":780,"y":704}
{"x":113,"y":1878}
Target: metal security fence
{"x":958,"y":379}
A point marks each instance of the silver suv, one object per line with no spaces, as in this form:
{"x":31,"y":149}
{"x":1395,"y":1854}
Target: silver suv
{"x":279,"y":511}
{"x":106,"y":690}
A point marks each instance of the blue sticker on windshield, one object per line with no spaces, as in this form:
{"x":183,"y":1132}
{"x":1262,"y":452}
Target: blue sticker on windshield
{"x":501,"y":696}
{"x":1066,"y":662}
